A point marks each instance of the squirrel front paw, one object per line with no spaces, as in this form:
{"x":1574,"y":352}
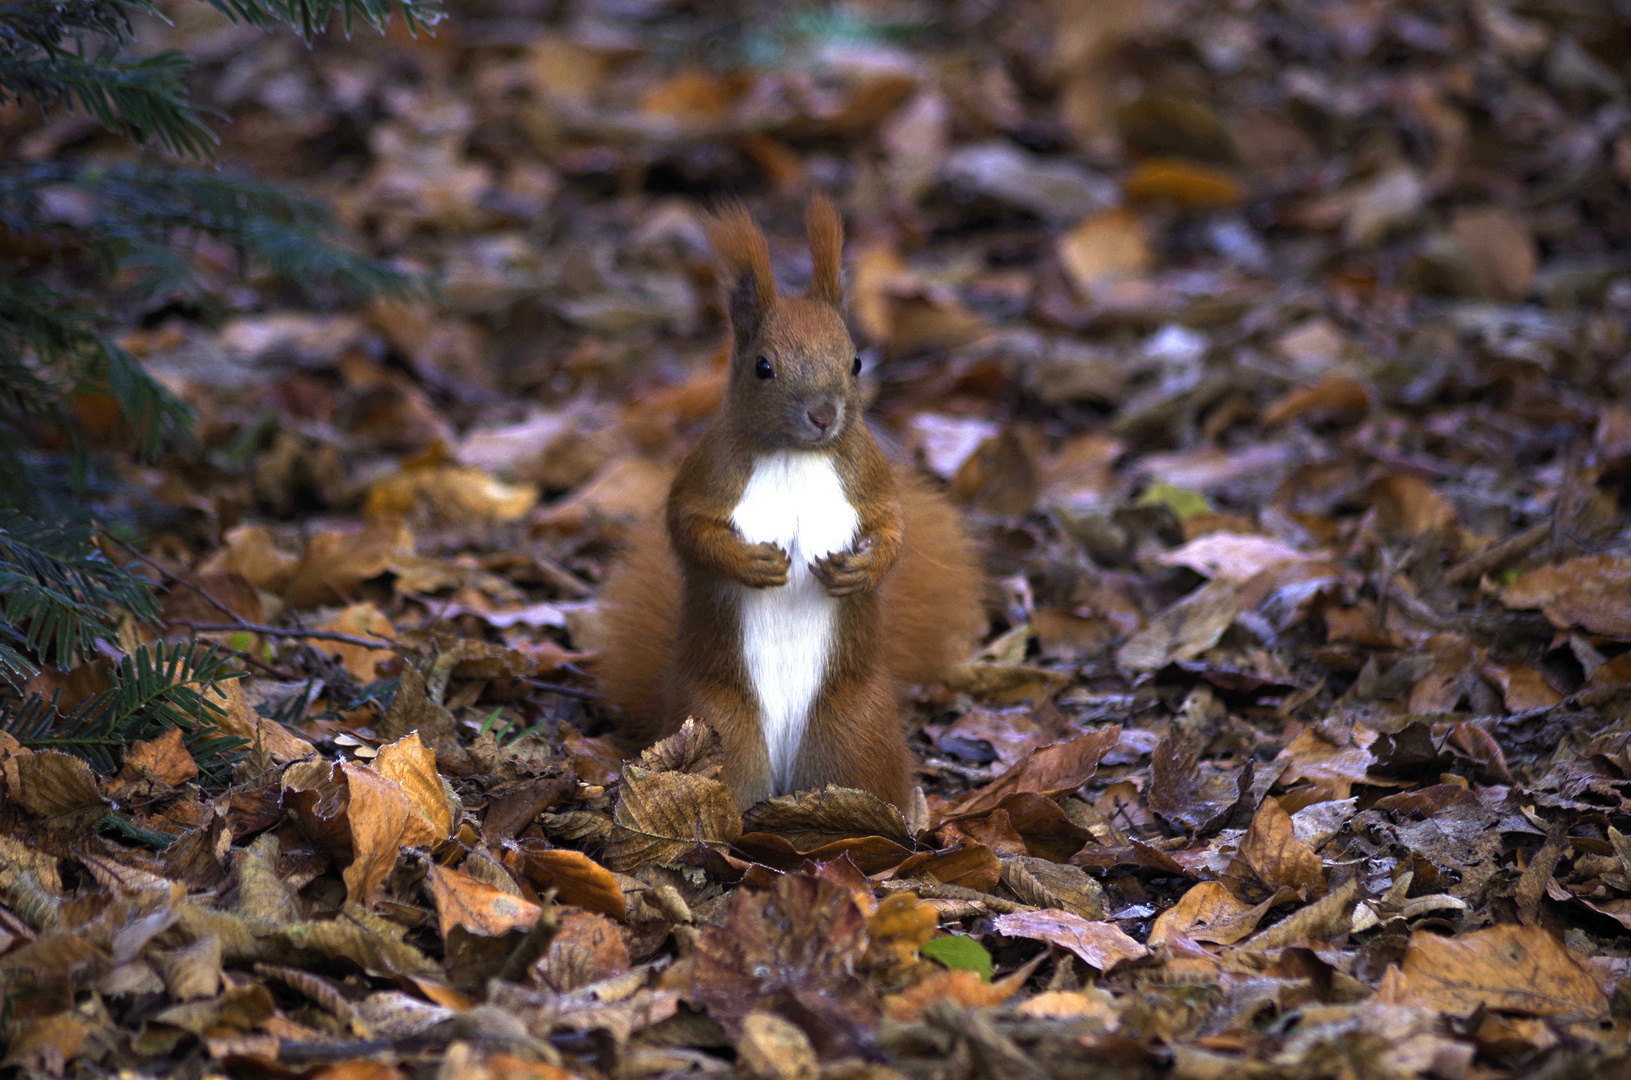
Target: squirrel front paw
{"x":844,"y":573}
{"x":765,"y":566}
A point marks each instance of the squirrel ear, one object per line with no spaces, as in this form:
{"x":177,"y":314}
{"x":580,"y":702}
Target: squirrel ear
{"x":743,"y":248}
{"x":826,"y":231}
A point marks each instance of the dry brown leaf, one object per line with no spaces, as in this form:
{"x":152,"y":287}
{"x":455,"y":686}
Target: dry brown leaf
{"x":383,"y":819}
{"x":1108,"y":244}
{"x":1591,"y":591}
{"x":240,"y":719}
{"x":165,"y":757}
{"x":793,"y":948}
{"x":1234,"y":557}
{"x":660,"y":816}
{"x":412,"y":764}
{"x":1048,"y":770}
{"x":1271,"y":848}
{"x":1333,"y":398}
{"x":624,"y":490}
{"x":56,"y":786}
{"x":1182,"y":183}
{"x":1209,"y":912}
{"x":250,"y":552}
{"x":970,"y":865}
{"x":897,"y":930}
{"x":694,"y":748}
{"x":586,"y":949}
{"x":365,"y":621}
{"x":1185,"y":630}
{"x":1510,"y":968}
{"x":476,"y":906}
{"x":1407,"y":507}
{"x":960,"y":986}
{"x":335,"y":563}
{"x":1499,"y":247}
{"x":1101,"y":944}
{"x":775,"y":1049}
{"x":812,"y":819}
{"x":575,"y":877}
{"x":450,"y":494}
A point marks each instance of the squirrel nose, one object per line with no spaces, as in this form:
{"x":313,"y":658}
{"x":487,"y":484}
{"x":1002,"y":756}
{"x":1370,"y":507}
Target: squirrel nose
{"x":822,"y":416}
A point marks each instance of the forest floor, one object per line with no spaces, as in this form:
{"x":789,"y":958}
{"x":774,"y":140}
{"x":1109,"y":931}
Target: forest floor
{"x":1277,"y":353}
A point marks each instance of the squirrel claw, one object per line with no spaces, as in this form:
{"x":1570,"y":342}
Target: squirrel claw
{"x":767,"y":566}
{"x":844,"y":573}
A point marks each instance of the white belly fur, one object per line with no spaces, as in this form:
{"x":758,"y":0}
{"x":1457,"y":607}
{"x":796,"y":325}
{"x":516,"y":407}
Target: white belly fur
{"x":794,"y":498}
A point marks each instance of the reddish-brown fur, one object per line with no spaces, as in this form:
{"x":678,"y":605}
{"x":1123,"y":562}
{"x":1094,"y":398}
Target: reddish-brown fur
{"x":908,"y":588}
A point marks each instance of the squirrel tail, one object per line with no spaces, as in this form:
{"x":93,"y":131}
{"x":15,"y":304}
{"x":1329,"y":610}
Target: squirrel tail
{"x":639,"y":611}
{"x":933,"y":607}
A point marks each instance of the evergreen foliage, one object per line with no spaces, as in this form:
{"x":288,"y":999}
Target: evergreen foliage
{"x":84,"y":247}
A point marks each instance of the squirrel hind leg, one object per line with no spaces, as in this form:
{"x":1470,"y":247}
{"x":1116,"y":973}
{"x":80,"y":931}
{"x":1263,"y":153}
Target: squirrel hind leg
{"x":933,"y":606}
{"x":639,"y":612}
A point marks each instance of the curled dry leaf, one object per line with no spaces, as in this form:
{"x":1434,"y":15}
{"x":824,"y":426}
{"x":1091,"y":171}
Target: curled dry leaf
{"x":659,"y":816}
{"x":1209,"y":912}
{"x":1047,"y":770}
{"x":575,"y":877}
{"x":694,"y":748}
{"x":383,"y":819}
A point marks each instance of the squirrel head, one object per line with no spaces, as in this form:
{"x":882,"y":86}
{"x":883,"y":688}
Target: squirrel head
{"x":794,"y":379}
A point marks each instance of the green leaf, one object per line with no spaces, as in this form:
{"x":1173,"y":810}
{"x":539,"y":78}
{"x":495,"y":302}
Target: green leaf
{"x":1181,"y":501}
{"x":958,"y":951}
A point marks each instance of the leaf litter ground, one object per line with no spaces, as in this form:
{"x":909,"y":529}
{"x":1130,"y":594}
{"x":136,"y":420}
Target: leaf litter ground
{"x":1277,"y":355}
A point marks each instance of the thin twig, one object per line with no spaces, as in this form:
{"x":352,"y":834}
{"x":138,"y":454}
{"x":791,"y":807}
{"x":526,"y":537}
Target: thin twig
{"x":173,"y":576}
{"x":1499,"y":556}
{"x":277,"y":631}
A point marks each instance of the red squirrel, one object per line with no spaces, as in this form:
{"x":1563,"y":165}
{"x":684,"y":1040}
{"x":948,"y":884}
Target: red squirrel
{"x":799,"y":579}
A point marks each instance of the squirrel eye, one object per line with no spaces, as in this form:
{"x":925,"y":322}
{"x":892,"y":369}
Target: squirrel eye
{"x":856,"y":370}
{"x":763,"y":370}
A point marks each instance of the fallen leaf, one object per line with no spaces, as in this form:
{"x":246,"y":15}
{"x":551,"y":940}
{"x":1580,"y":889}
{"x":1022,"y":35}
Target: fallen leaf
{"x":1271,"y":848}
{"x":575,"y":877}
{"x":1185,"y":630}
{"x":1047,"y":770}
{"x":1102,"y":945}
{"x":1590,"y":591}
{"x":365,"y":621}
{"x":791,"y":949}
{"x":1510,"y":968}
{"x":1232,"y":556}
{"x":1182,"y":183}
{"x":811,"y":819}
{"x":659,"y":816}
{"x":475,"y":906}
{"x":1209,"y":912}
{"x":1108,"y":244}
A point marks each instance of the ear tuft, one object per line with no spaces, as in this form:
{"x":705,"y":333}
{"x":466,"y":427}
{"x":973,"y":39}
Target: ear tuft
{"x":826,"y":231}
{"x":741,"y":245}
